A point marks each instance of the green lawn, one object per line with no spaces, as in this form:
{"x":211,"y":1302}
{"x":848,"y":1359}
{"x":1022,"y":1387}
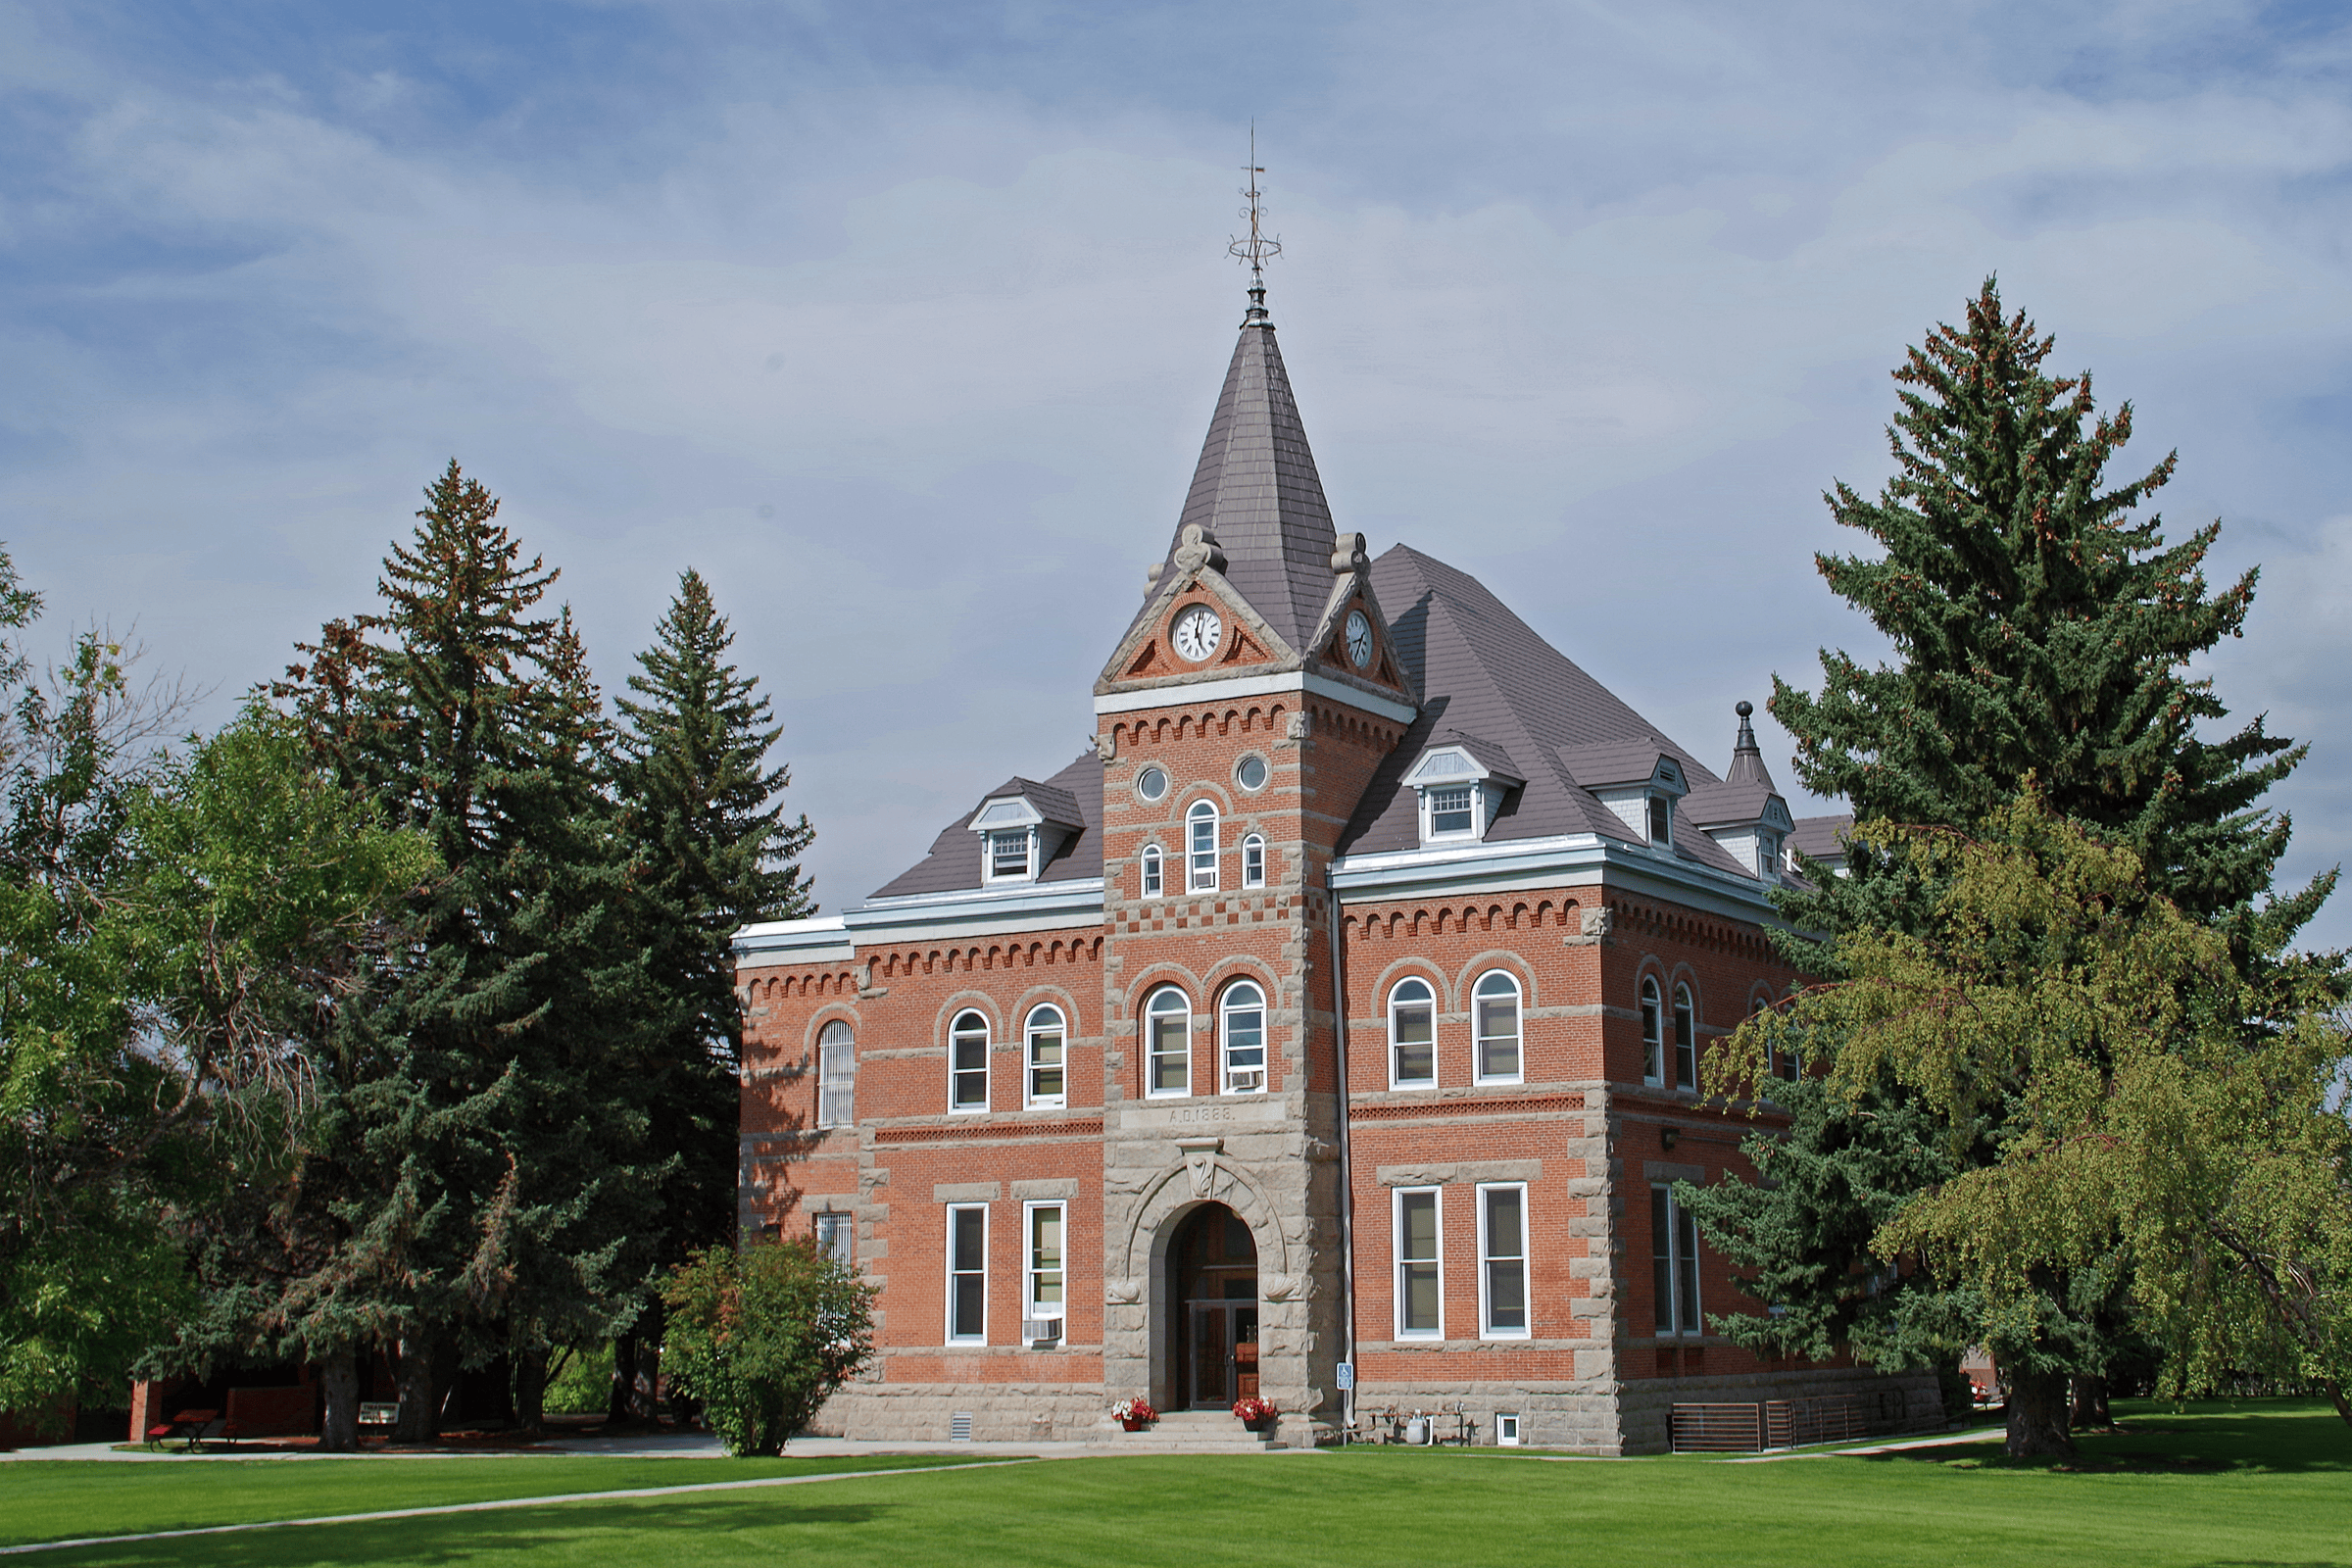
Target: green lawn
{"x":2254,"y":1484}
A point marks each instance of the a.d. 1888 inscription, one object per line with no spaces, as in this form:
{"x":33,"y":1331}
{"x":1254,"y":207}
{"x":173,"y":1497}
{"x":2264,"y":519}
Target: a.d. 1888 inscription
{"x":1200,"y":1113}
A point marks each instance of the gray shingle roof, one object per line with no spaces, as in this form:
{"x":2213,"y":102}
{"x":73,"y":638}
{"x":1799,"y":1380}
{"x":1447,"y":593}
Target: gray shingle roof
{"x":954,"y":863}
{"x":1822,"y":838}
{"x":1257,"y":493}
{"x":1484,"y":672}
{"x":1052,"y":803}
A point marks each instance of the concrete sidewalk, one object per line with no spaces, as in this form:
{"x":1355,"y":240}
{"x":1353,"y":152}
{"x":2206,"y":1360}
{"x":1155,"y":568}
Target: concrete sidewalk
{"x":639,"y":1445}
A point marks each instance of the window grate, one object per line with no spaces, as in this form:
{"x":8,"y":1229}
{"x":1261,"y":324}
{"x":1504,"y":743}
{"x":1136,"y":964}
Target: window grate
{"x":959,"y":1427}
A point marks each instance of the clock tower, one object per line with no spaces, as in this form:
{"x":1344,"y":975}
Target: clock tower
{"x":1238,"y":722}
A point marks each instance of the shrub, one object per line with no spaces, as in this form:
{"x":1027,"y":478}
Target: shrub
{"x":761,"y":1337}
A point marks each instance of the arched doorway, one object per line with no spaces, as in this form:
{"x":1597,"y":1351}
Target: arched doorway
{"x":1212,"y":1263}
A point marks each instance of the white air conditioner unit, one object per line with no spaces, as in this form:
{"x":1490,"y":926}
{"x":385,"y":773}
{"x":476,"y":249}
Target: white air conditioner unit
{"x":1042,"y":1330}
{"x":1248,"y":1082}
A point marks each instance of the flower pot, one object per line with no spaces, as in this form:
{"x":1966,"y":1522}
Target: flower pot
{"x":1132,"y":1424}
{"x":1261,"y":1424}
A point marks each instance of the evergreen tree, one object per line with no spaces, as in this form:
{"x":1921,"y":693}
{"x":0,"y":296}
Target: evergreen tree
{"x":2041,"y":630}
{"x":704,"y":812}
{"x":486,"y":1157}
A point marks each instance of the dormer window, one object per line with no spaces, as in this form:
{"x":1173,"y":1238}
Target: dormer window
{"x":1010,"y":853}
{"x":1661,"y":821}
{"x":1461,"y":785}
{"x":1020,"y":829}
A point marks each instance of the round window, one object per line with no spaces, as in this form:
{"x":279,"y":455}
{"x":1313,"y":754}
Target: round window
{"x":1151,"y":784}
{"x":1251,"y":773}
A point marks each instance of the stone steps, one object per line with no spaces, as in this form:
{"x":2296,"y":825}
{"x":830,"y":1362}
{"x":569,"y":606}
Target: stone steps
{"x":1189,"y":1431}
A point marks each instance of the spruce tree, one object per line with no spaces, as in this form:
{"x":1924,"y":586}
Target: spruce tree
{"x":487,"y":1147}
{"x":703,"y":809}
{"x":2043,"y":628}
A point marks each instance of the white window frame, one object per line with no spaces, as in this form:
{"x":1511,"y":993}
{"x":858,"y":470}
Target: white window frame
{"x":1031,"y":1031}
{"x":837,"y":1074}
{"x":1031,"y":1308}
{"x":1652,"y":1013}
{"x":1506,"y":1429}
{"x":1487,"y":1261}
{"x":994,"y":872}
{"x":1254,"y":861}
{"x":1184,"y":1034}
{"x":1479,"y":1037}
{"x":953,"y":1274}
{"x":836,"y":1237}
{"x":1685,"y":1036}
{"x":1151,"y":882}
{"x":1200,"y":865}
{"x":1472,"y":803}
{"x":1451,"y":767}
{"x":1768,"y":855}
{"x":1429,"y":1000}
{"x":1682,"y":1257}
{"x":956,"y":1037}
{"x":1227,"y":1007}
{"x":1398,"y":1262}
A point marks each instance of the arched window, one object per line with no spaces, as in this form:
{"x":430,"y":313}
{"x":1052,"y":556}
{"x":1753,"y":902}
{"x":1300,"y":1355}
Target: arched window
{"x":836,"y":1074}
{"x":1654,"y":1055}
{"x":1254,"y":862}
{"x":1046,"y":1036}
{"x":1168,"y":1043}
{"x":1242,"y":1023}
{"x":967,"y":1062}
{"x":1494,"y":1007}
{"x":1685,"y":1038}
{"x":1200,"y":847}
{"x":1412,"y":1035}
{"x":1151,"y":875}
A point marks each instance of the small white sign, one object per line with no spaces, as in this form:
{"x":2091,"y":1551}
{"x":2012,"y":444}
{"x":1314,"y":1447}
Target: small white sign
{"x":1346,"y":1376}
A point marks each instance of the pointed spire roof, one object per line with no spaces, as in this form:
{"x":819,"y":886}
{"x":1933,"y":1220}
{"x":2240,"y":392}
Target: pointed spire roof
{"x":1256,"y":492}
{"x":1747,"y":759}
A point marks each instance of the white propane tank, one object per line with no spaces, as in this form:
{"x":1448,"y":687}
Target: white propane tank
{"x":1417,"y":1432}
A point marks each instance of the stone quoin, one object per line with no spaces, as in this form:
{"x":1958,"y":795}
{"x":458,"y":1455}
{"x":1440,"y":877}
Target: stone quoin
{"x":1339,"y":1004}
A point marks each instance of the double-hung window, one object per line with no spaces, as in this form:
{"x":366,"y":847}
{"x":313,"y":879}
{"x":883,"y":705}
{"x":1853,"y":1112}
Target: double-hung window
{"x":1042,"y":1272}
{"x":967,"y":1273}
{"x":1453,"y":811}
{"x":833,"y":1237}
{"x":1243,"y":1022}
{"x":1150,"y":877}
{"x":1502,"y":1260}
{"x":1254,"y":862}
{"x":967,"y":1062}
{"x":1168,"y":1043}
{"x":1200,"y":847}
{"x":1674,"y":1259}
{"x":1661,"y":821}
{"x":1047,"y":1034}
{"x":1008,"y":854}
{"x":1653,"y":1046}
{"x":836,"y":1075}
{"x":1494,"y":1005}
{"x":1420,"y":1313}
{"x":1412,"y":1035}
{"x":1685,"y":1038}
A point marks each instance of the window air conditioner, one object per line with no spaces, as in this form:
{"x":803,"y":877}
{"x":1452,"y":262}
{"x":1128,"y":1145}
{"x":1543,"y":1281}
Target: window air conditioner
{"x":1248,"y":1082}
{"x":1042,"y":1330}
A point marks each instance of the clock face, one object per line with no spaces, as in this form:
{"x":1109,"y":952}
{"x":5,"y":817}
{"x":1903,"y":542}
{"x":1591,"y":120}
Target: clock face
{"x":1196,"y":632}
{"x":1359,"y":638}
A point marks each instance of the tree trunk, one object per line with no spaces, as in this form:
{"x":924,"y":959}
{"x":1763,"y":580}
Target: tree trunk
{"x":619,"y":1411}
{"x":339,"y":1422}
{"x":419,"y":1418}
{"x":531,"y":1390}
{"x":2090,"y":1413}
{"x":646,"y":1386}
{"x":2038,"y":1415}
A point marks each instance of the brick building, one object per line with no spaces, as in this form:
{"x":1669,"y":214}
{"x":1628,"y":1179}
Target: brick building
{"x":1339,"y":1008}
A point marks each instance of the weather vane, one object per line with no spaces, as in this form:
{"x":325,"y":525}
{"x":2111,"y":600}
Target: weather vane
{"x":1258,"y":248}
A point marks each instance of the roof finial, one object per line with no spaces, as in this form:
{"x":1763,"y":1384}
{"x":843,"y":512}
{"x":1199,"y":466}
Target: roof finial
{"x":1258,"y":248}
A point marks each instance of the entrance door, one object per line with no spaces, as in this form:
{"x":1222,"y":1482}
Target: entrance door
{"x":1223,"y":1360}
{"x":1213,"y":1327}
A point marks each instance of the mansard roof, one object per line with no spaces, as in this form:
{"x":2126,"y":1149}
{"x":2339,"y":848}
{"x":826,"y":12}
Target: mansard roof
{"x":1255,"y":492}
{"x":1483,"y":670}
{"x":954,"y":863}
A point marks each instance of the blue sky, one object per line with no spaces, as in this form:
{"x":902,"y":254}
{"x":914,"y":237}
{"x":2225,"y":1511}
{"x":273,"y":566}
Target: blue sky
{"x":902,"y":322}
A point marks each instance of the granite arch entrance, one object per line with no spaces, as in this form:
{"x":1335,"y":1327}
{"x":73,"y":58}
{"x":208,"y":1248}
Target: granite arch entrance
{"x":1212,"y":1321}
